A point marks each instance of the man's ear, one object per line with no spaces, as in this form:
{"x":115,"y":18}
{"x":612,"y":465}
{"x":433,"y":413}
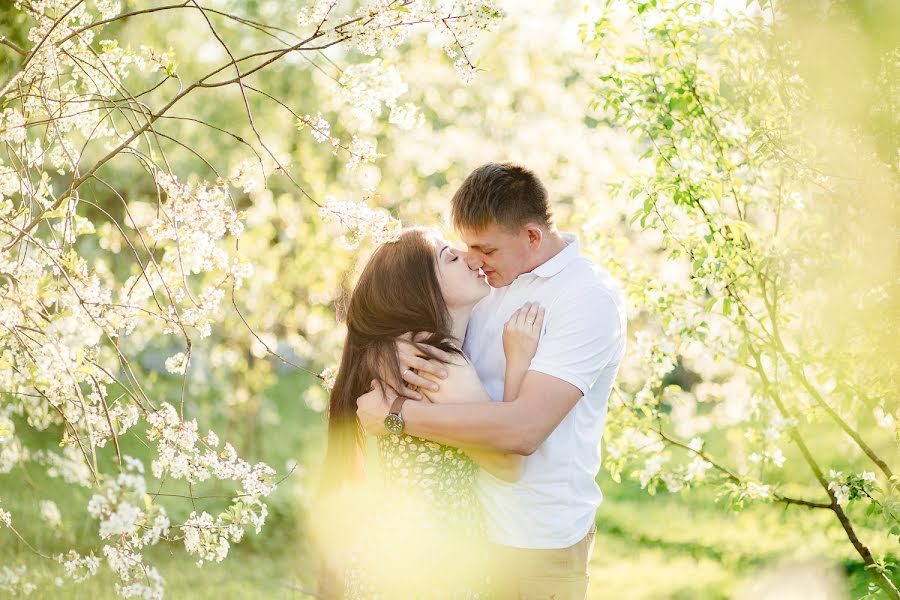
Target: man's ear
{"x":535,"y":235}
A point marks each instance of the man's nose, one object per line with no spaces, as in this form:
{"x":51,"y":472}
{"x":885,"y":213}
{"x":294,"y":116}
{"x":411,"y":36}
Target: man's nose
{"x":474,"y":262}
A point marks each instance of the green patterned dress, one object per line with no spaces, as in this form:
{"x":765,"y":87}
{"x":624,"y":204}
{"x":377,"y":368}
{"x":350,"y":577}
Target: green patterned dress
{"x":435,"y":512}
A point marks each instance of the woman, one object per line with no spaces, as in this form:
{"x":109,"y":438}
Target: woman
{"x":417,"y":284}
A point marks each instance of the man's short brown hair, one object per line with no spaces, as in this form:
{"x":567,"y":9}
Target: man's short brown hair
{"x":505,"y":194}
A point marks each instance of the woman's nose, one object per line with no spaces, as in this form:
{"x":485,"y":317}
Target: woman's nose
{"x":473,"y":262}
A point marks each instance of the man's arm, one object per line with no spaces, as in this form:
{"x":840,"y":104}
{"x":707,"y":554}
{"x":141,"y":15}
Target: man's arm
{"x":520,"y":341}
{"x":585,"y":332}
{"x":518,"y":427}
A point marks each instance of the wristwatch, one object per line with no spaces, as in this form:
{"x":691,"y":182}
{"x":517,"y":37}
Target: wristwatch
{"x":394,"y":421}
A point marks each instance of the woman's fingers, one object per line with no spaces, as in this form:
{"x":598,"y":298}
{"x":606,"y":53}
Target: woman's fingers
{"x":531,"y":314}
{"x":539,"y":319}
{"x":520,"y":315}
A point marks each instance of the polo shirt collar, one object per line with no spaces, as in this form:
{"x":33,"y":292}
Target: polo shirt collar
{"x":562,"y":258}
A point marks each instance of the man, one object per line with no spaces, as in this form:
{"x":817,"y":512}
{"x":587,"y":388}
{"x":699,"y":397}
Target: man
{"x":542,"y":524}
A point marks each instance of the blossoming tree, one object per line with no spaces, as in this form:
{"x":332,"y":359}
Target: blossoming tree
{"x":765,"y":292}
{"x":86,"y":283}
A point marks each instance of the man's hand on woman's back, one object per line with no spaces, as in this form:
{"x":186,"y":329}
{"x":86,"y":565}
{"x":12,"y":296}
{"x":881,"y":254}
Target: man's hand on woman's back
{"x":421,"y":366}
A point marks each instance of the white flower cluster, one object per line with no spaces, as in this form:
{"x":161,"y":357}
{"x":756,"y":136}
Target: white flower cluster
{"x":136,"y":579}
{"x":210,"y":538}
{"x":652,"y":467}
{"x":177,"y":363}
{"x":316,"y":13}
{"x":12,"y":126}
{"x":11,"y":450}
{"x":196,"y":216}
{"x":248,"y":175}
{"x":153,"y":60}
{"x":70,"y":465}
{"x":77,"y":567}
{"x":382,"y":24}
{"x":67,"y":78}
{"x":883,"y":417}
{"x":632,"y":438}
{"x":676,"y":479}
{"x":839,"y":487}
{"x":119,"y":509}
{"x":361,"y":222}
{"x":14,"y":583}
{"x":121,"y":416}
{"x":361,"y":150}
{"x":757,"y":491}
{"x":328,"y":377}
{"x":133,"y":522}
{"x":696,"y":469}
{"x":108,"y":8}
{"x":772,"y":456}
{"x":180,"y":458}
{"x":655,"y":353}
{"x":850,"y":487}
{"x":320,"y":128}
{"x":369,"y":87}
{"x":5,"y":518}
{"x":50,"y":513}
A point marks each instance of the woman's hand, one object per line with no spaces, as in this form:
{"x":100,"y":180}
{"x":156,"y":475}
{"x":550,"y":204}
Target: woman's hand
{"x":521,"y":334}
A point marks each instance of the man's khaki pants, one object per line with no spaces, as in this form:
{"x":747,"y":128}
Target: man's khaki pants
{"x":557,"y":574}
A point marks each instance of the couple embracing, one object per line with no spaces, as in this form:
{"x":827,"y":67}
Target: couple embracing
{"x":484,"y":375}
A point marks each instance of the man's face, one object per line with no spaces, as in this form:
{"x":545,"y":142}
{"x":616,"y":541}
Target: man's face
{"x":501,"y":254}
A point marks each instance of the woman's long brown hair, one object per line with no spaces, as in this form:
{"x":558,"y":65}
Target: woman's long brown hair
{"x":397,"y":292}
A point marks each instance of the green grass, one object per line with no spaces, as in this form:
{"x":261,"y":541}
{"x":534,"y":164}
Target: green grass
{"x":663,"y":546}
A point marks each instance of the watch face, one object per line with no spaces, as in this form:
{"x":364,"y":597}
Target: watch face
{"x":394,"y":424}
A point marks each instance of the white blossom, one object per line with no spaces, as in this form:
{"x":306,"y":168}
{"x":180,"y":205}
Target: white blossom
{"x":77,"y":567}
{"x":328,"y":377}
{"x":50,"y":513}
{"x":14,"y":582}
{"x":756,"y":490}
{"x":696,"y":469}
{"x":318,"y":126}
{"x":177,"y":363}
{"x":361,"y":222}
{"x":361,"y":151}
{"x":651,"y":468}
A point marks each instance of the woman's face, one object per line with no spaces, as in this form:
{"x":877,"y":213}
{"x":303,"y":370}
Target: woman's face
{"x":461,"y":286}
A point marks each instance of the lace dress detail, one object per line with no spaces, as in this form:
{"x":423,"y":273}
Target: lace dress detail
{"x":434,"y":513}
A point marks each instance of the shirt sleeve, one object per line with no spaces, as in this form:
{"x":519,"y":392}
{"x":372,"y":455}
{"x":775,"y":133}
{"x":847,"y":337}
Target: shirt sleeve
{"x":584,"y":331}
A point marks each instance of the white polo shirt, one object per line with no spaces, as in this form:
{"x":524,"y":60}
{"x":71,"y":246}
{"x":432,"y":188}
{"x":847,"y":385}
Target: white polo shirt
{"x":554,"y":503}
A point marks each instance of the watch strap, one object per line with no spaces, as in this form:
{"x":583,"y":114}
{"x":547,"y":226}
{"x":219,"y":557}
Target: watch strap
{"x":397,"y":405}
